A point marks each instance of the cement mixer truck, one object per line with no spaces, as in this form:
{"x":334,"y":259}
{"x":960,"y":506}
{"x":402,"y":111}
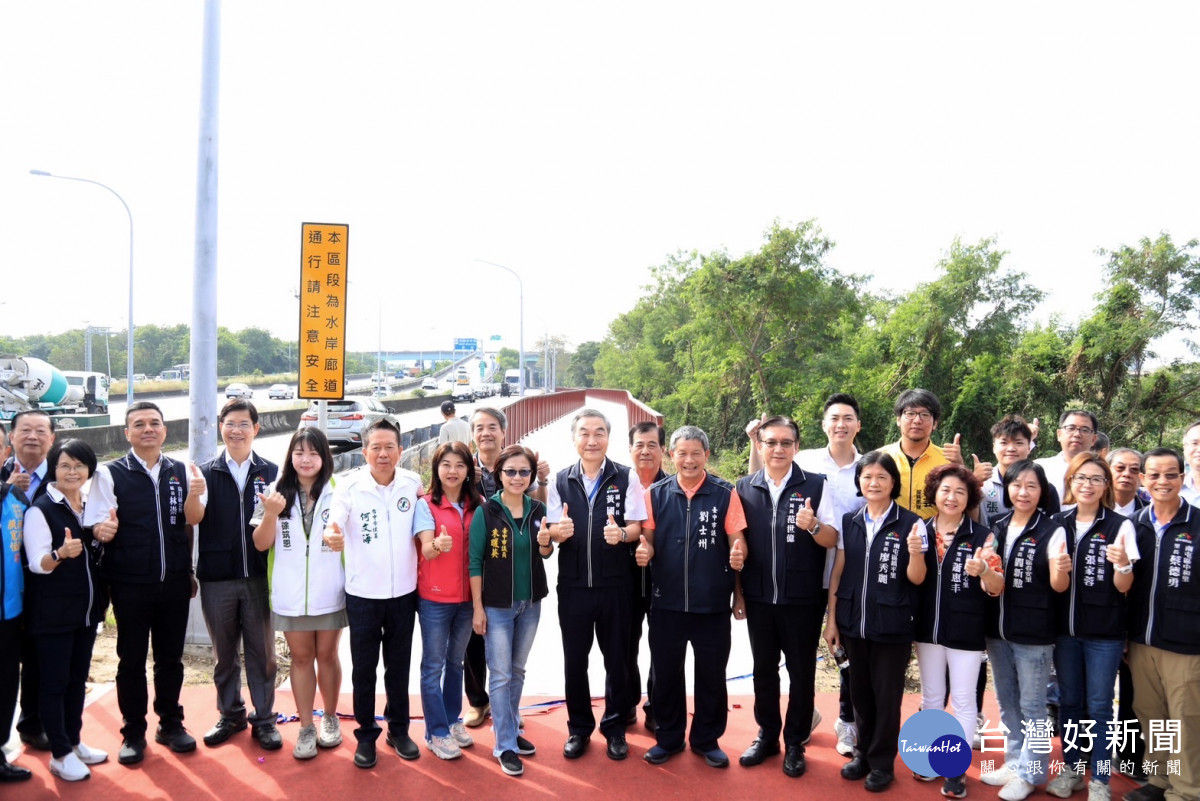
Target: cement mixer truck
{"x":29,"y":383}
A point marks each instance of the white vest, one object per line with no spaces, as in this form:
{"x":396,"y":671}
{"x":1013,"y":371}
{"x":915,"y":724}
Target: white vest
{"x":381,"y":551}
{"x":306,"y":577}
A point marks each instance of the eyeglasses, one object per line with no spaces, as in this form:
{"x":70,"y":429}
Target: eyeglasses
{"x":1085,"y":430}
{"x":1165,"y":476}
{"x":71,"y":468}
{"x":232,"y":426}
{"x":924,"y":417}
{"x":1095,"y":481}
{"x":778,"y":443}
{"x":513,"y":472}
{"x":1121,"y":468}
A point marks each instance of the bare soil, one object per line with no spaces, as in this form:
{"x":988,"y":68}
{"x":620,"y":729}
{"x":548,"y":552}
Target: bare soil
{"x":197,"y":661}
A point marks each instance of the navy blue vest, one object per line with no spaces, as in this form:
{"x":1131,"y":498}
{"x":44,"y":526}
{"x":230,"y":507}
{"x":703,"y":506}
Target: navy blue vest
{"x":1024,"y":612}
{"x":72,"y":595}
{"x":953,"y":604}
{"x":875,"y":599}
{"x":691,"y":549}
{"x":1093,"y":607}
{"x":586,"y":560}
{"x":151,"y":541}
{"x":225,"y":540}
{"x":783,"y":564}
{"x":1165,"y":602}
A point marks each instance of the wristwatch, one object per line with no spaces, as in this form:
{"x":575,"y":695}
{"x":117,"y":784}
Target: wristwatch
{"x":624,"y":535}
{"x":54,"y":557}
{"x":816,"y":528}
{"x":1125,"y":569}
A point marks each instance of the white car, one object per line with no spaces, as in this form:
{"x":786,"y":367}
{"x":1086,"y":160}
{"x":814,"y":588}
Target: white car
{"x":429,"y":383}
{"x":281,"y":391}
{"x":238,"y":391}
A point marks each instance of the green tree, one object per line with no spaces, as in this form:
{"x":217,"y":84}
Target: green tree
{"x":582,"y":369}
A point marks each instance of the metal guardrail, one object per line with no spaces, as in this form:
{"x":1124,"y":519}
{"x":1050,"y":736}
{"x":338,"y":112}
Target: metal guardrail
{"x":533,"y":412}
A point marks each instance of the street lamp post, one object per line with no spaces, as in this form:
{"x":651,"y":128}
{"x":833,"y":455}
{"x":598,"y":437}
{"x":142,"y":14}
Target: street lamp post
{"x":521,"y":342}
{"x":129,"y":336}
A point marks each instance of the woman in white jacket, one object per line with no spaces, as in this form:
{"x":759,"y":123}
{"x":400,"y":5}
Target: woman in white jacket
{"x":308,"y":582}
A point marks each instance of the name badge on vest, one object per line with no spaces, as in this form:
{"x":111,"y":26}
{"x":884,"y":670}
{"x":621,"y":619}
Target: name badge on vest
{"x":1094,"y":559}
{"x":285,"y":533}
{"x":612,"y":501}
{"x":1022,"y":562}
{"x":889,"y":558}
{"x":174,"y":499}
{"x":260,"y":488}
{"x":795,"y":504}
{"x":1179,"y":564}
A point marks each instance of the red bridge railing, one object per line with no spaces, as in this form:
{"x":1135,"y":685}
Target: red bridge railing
{"x":531,"y":413}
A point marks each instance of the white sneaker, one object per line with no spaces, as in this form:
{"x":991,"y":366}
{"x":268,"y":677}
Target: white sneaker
{"x":1099,"y":791}
{"x":69,"y":768}
{"x":444,"y":747}
{"x":1066,"y":782}
{"x":1017,"y":789}
{"x":306,"y":743}
{"x":330,"y":735}
{"x":816,"y":721}
{"x":998,"y":777}
{"x":977,"y":737}
{"x":90,"y":756}
{"x":458,"y":731}
{"x":847,"y":737}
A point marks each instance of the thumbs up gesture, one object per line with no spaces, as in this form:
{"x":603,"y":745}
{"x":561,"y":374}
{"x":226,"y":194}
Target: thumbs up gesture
{"x":1116,"y":554}
{"x":19,"y":479}
{"x":444,"y":542}
{"x":106,"y":529}
{"x":334,"y":537}
{"x":1034,"y":428}
{"x":916,"y":540}
{"x":612,"y":532}
{"x":983,"y":470}
{"x":272,"y":503}
{"x":953,"y":450}
{"x":71,"y":547}
{"x":1062,"y":560}
{"x":805,"y":519}
{"x":975,"y":566}
{"x":737,"y":554}
{"x":543,"y":535}
{"x":197,"y":486}
{"x":644,"y":552}
{"x":565,"y":527}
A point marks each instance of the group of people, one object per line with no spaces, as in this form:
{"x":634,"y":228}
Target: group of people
{"x":1060,"y":561}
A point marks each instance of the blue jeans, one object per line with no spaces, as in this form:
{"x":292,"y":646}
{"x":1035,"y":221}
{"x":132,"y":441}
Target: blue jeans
{"x":1087,"y":669}
{"x":509,"y":639}
{"x":1020,"y":673}
{"x":445,"y":629}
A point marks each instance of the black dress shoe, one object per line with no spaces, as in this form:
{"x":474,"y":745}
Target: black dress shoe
{"x":855,"y":769}
{"x":38,"y":742}
{"x":878,"y":781}
{"x":268,"y":737}
{"x":13,"y":773}
{"x":793,"y":761}
{"x":178,"y":740}
{"x":575,"y":746}
{"x":757,"y":753}
{"x":404,"y":745}
{"x":364,"y":754}
{"x":1147,"y":792}
{"x":222,"y":731}
{"x":132,"y":751}
{"x":617,"y":749}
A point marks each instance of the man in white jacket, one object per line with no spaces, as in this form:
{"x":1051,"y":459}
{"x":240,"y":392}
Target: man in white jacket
{"x":371,"y":520}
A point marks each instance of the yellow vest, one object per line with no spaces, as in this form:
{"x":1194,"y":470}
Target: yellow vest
{"x":912,"y":477}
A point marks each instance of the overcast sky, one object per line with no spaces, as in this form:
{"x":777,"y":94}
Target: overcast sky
{"x":579,"y":144}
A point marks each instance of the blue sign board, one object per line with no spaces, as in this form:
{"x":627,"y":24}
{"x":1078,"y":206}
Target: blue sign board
{"x":469,"y":345}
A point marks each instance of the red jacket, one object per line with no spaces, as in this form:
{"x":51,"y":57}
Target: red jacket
{"x":444,"y":578}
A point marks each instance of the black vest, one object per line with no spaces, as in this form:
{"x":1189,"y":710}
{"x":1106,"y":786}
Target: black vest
{"x":783,"y":564}
{"x":225,"y":539}
{"x":691,"y":549}
{"x":498,"y":566}
{"x":151,"y":541}
{"x":71,"y":595}
{"x":1093,"y":607}
{"x":1165,"y":602}
{"x":1024,"y":612}
{"x":586,"y":560}
{"x":643,"y":577}
{"x":953,"y":604}
{"x":875,"y":599}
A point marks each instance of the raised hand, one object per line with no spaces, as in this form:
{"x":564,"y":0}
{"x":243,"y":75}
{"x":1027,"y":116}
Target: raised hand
{"x":983,"y":470}
{"x":1062,"y":560}
{"x":612,"y":532}
{"x":272,"y":503}
{"x":565,"y":527}
{"x":976,"y":565}
{"x":197,"y":486}
{"x":953,"y":450}
{"x":543,"y":535}
{"x":106,"y":529}
{"x":334,"y":537}
{"x":737,"y":554}
{"x":644,"y":552}
{"x":71,"y":547}
{"x":444,"y":542}
{"x":805,"y":518}
{"x":916,"y":540}
{"x":1116,"y":554}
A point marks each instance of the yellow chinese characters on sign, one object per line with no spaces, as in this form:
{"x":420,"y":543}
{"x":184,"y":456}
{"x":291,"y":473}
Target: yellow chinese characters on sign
{"x":322,"y":310}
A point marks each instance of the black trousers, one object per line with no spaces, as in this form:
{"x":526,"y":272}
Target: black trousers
{"x":633,"y":674}
{"x":374,"y":624}
{"x":29,"y":722}
{"x":604,"y":612}
{"x":65,"y":658}
{"x":709,"y":635}
{"x":10,"y":672}
{"x":794,"y":631}
{"x":475,"y":671}
{"x":877,"y":687}
{"x":157,"y":614}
